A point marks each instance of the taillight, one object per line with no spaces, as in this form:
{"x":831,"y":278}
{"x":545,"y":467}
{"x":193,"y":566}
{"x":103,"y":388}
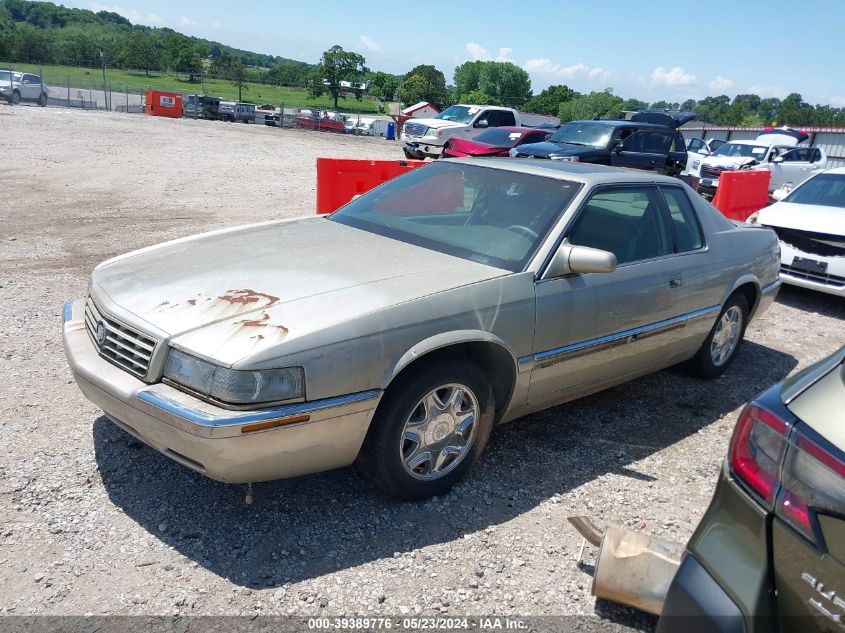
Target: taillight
{"x":792,"y":473}
{"x":755,"y":451}
{"x":813,"y":480}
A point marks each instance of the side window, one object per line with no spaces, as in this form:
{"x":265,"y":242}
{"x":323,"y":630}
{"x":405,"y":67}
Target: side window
{"x":506,"y":118}
{"x":649,"y":141}
{"x":684,"y":222}
{"x":627,"y":221}
{"x":486,"y":115}
{"x":817,"y":155}
{"x":695,"y":145}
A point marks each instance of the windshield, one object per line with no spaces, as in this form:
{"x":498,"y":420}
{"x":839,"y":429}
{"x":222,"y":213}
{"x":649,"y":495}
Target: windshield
{"x":499,"y":138}
{"x":825,"y":189}
{"x":494,"y":217}
{"x":459,"y":114}
{"x":587,"y":133}
{"x":737,"y":150}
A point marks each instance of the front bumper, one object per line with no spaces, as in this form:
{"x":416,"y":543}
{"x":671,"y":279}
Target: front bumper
{"x":219,"y":443}
{"x":831,"y":280}
{"x":420,"y":149}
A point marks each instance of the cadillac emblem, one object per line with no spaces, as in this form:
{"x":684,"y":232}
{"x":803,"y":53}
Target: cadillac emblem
{"x":101,"y":333}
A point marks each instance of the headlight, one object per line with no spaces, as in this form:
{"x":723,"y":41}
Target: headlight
{"x":753,"y":218}
{"x":696,"y":164}
{"x":234,"y":386}
{"x":434,"y":133}
{"x":565,"y":159}
{"x":513,"y":152}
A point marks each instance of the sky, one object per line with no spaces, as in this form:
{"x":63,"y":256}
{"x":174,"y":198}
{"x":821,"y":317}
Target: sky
{"x":647,"y":50}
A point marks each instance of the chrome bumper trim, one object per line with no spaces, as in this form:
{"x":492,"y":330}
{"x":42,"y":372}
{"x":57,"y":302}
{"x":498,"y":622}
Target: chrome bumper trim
{"x":772,"y":287}
{"x":205,"y":419}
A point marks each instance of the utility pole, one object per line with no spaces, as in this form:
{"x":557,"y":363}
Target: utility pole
{"x":106,"y":96}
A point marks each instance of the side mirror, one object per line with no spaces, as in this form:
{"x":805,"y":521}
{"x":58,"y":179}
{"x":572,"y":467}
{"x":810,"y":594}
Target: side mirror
{"x":618,"y":147}
{"x":777,"y":159}
{"x":579,"y":259}
{"x":779,"y":194}
{"x":481,"y":123}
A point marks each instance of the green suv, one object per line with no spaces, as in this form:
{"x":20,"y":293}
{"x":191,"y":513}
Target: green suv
{"x":769,"y":554}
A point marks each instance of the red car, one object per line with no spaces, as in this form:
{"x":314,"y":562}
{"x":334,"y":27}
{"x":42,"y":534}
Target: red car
{"x":495,"y":141}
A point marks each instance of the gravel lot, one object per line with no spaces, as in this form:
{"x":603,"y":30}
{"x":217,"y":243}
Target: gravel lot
{"x":91,"y":521}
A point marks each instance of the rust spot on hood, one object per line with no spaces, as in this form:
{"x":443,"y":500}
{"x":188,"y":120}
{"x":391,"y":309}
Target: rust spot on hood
{"x":247,"y":296}
{"x":255,"y":322}
{"x":262,"y":322}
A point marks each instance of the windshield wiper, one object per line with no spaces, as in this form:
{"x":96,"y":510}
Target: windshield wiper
{"x":574,"y":143}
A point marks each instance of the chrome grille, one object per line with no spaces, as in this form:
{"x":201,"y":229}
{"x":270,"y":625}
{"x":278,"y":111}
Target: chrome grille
{"x":834,"y":281}
{"x":415,"y":129}
{"x":709,"y":171}
{"x":123,"y":346}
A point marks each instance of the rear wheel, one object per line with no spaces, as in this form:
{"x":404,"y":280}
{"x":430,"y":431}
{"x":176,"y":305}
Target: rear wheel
{"x":42,"y":99}
{"x":430,"y":428}
{"x":721,"y":345}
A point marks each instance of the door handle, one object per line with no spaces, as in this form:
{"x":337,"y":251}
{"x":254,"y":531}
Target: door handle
{"x":676,"y":281}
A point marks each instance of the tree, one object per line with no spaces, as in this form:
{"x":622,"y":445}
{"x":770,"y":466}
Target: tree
{"x":237,"y":71}
{"x":288,"y":73}
{"x":634,"y":105}
{"x":424,"y":83}
{"x":139,"y":50}
{"x":665,"y":105}
{"x":596,"y":105}
{"x":383,"y":85}
{"x":549,"y":100}
{"x":688,"y":105}
{"x":336,"y":65}
{"x":504,"y":81}
{"x":768,"y":109}
{"x":479,"y":97}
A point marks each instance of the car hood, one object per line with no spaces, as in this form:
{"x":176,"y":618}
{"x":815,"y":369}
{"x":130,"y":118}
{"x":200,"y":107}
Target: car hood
{"x":546,"y":147}
{"x":228,"y":295}
{"x":728,"y":162}
{"x":475,"y":148}
{"x":437,"y":124}
{"x":804,"y":217}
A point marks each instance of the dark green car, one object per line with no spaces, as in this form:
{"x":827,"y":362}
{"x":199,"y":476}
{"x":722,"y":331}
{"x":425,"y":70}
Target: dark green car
{"x":769,"y":554}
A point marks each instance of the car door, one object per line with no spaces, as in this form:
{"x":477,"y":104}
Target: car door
{"x":30,"y":87}
{"x":644,"y":149}
{"x":597,"y":329}
{"x":794,"y":167}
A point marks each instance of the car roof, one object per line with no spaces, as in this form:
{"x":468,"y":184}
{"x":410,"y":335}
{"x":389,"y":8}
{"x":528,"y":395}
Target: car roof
{"x":621,"y":123}
{"x":587,"y":173}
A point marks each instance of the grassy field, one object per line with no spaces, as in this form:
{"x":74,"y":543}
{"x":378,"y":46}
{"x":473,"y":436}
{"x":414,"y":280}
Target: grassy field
{"x":84,"y":78}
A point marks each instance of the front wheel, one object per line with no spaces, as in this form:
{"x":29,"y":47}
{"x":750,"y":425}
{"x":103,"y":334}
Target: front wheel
{"x":16,"y":97}
{"x":430,"y":428}
{"x":721,"y":345}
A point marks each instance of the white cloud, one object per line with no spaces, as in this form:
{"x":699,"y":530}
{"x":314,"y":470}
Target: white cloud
{"x":545,"y":66}
{"x":186,"y":21}
{"x":133,"y":15}
{"x":837,"y":102}
{"x":370,"y":44}
{"x":675,"y":77}
{"x":720,"y":83}
{"x":768,"y":91}
{"x":479,"y":53}
{"x":216,"y":25}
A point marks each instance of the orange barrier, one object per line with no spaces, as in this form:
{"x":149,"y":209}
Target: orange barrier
{"x":340,"y":179}
{"x":163,"y":103}
{"x":741,"y":193}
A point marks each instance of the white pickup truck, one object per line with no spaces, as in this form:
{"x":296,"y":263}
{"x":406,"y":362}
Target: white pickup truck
{"x":775,"y":150}
{"x":424,"y":138}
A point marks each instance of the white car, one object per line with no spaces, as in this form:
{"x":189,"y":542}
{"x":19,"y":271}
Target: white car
{"x":22,"y":87}
{"x":697,"y":150}
{"x":774,"y":150}
{"x":810,"y":223}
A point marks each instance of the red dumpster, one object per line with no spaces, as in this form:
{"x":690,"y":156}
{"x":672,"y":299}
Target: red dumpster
{"x":163,"y":103}
{"x":340,"y":179}
{"x":741,"y":193}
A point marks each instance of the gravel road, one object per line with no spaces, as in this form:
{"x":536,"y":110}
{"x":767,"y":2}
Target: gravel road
{"x":93,"y":522}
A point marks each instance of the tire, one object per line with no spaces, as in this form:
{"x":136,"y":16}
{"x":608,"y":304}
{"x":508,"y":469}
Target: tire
{"x":42,"y":100}
{"x":414,"y":433}
{"x":714,"y":358}
{"x":16,"y":97}
{"x":408,"y":154}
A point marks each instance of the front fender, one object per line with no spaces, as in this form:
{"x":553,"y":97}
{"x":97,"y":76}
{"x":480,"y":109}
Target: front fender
{"x":440,"y":341}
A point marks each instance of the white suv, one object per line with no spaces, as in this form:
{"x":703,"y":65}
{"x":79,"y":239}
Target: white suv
{"x":22,"y":87}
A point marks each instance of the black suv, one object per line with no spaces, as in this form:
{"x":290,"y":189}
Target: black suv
{"x":650,"y":140}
